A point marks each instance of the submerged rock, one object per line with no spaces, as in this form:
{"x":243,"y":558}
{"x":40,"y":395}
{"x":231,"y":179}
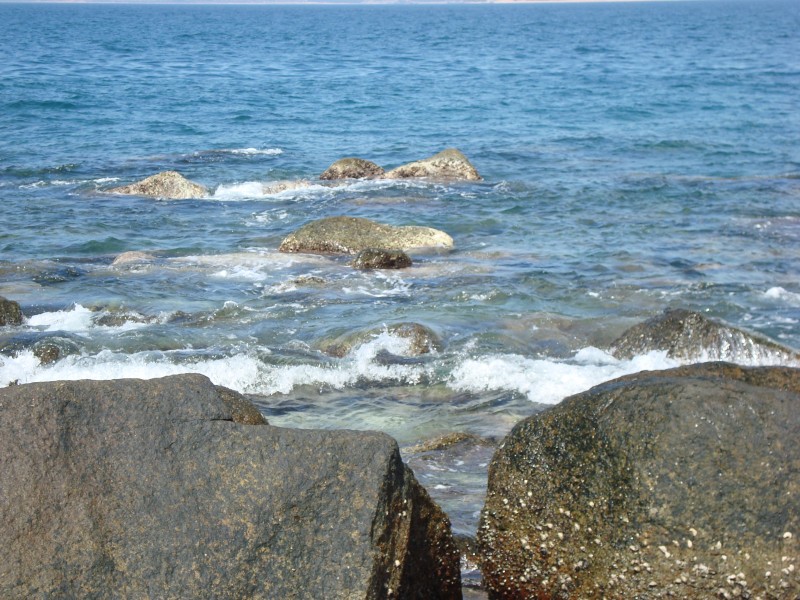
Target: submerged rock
{"x":679,"y":483}
{"x":131,"y":257}
{"x":422,"y":339}
{"x":448,"y":164}
{"x":688,"y":335}
{"x":352,"y":168}
{"x":350,"y":235}
{"x":10,"y":312}
{"x":276,"y":187}
{"x":176,"y":488}
{"x":168,"y":184}
{"x":376,"y":258}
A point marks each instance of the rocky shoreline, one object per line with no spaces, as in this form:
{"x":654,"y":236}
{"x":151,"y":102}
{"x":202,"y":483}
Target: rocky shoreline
{"x":678,"y":483}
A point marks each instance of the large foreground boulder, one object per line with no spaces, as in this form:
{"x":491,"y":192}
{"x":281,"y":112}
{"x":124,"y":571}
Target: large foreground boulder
{"x":687,"y":335}
{"x":448,"y":164}
{"x":168,"y":184}
{"x":351,"y":235}
{"x":352,"y":168}
{"x":681,"y":484}
{"x":175,"y":488}
{"x":10,"y":312}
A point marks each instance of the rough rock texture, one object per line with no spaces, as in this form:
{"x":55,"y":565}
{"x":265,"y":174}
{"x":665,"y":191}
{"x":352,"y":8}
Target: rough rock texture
{"x":10,"y":312}
{"x":422,"y":339}
{"x":376,"y":258}
{"x":132,"y":257}
{"x":448,"y":164}
{"x":276,"y":187}
{"x":352,"y":168}
{"x":688,"y":335}
{"x":175,"y":488}
{"x":168,"y":184}
{"x":680,"y":483}
{"x":351,"y":235}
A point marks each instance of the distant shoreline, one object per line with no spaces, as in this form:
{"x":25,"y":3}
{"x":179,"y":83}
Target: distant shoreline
{"x":331,"y":3}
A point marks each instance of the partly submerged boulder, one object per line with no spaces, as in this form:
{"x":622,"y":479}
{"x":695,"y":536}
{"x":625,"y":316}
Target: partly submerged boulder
{"x":350,"y":235}
{"x":132,"y":257}
{"x":352,"y":168}
{"x":448,"y":164}
{"x":168,"y":184}
{"x":288,"y":185}
{"x":10,"y":312}
{"x":176,"y":488}
{"x":421,"y":339}
{"x":681,"y":483}
{"x":377,"y":258}
{"x":688,"y":335}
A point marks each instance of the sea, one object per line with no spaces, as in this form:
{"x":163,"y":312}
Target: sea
{"x":635,"y":157}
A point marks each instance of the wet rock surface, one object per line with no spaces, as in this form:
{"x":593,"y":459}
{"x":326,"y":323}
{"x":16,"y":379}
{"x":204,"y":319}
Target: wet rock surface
{"x":350,"y":235}
{"x":10,"y":312}
{"x":680,"y":483}
{"x":352,"y":168}
{"x":688,"y":335}
{"x":168,"y":184}
{"x":376,"y":258}
{"x":421,"y":339}
{"x":176,"y":488}
{"x":448,"y":164}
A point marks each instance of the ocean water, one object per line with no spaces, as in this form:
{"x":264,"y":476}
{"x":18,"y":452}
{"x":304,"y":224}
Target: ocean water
{"x":636,"y":156}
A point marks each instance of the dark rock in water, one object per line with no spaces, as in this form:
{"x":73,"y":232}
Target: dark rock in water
{"x":376,"y":258}
{"x":47,"y":353}
{"x":10,"y":312}
{"x":422,"y":339}
{"x":352,"y":168}
{"x":168,"y":184}
{"x":448,"y":164}
{"x":447,"y":441}
{"x":688,"y":335}
{"x":48,"y":347}
{"x":680,"y":483}
{"x":58,"y":275}
{"x":350,"y":235}
{"x":175,"y":488}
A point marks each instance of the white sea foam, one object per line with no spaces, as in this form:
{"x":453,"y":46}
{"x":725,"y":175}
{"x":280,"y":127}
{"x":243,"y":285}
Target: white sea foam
{"x":76,"y":319}
{"x":779,"y":293}
{"x":254,"y":151}
{"x":239,"y":191}
{"x":549,"y":381}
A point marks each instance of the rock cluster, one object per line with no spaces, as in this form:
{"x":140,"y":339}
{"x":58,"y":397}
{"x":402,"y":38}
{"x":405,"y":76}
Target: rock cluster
{"x":176,"y":488}
{"x":167,"y":185}
{"x":449,"y":164}
{"x":680,"y":483}
{"x":350,"y":235}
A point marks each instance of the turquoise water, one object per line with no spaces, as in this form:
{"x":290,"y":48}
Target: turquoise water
{"x":635,"y":157}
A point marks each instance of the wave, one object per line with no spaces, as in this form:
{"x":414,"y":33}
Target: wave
{"x":779,"y":293}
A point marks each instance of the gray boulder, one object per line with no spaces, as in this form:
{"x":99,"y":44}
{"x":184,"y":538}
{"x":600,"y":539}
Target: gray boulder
{"x":351,"y":235}
{"x":168,"y":184}
{"x":448,"y":164}
{"x":688,"y":335}
{"x":376,"y":258}
{"x":352,"y":168}
{"x":10,"y":312}
{"x":680,"y":483}
{"x":176,"y":488}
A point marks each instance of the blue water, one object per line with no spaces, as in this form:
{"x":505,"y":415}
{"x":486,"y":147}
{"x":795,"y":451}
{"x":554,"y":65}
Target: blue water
{"x":635,"y":156}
